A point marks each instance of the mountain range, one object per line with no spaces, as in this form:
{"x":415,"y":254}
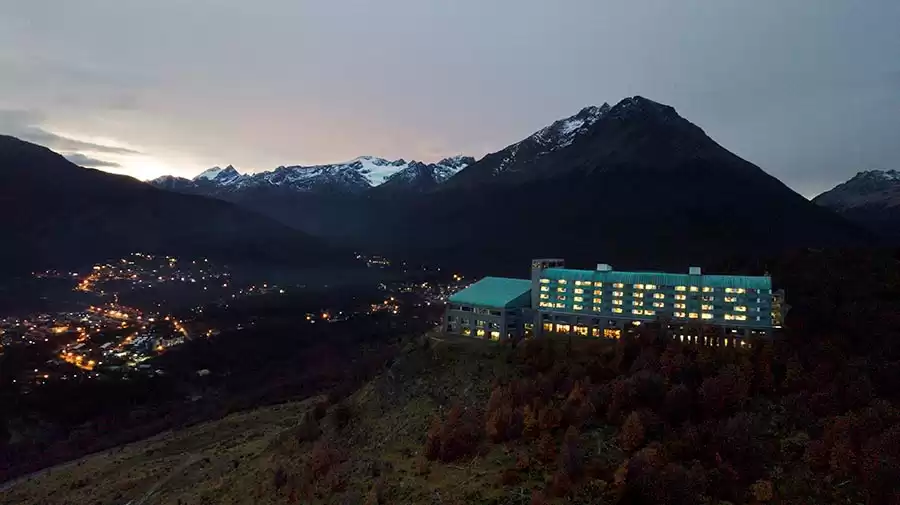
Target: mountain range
{"x":634,"y":184}
{"x":57,"y":214}
{"x":871,"y":198}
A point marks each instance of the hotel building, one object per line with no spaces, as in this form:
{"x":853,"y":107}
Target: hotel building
{"x":605,"y":302}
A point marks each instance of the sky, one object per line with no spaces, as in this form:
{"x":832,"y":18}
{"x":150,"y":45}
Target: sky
{"x":808,"y":90}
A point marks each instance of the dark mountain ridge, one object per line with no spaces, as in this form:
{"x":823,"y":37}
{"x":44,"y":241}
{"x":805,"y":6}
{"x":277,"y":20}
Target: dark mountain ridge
{"x":59,"y":214}
{"x":871,"y":199}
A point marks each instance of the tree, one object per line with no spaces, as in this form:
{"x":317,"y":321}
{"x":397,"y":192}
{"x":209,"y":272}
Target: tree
{"x":571,"y":454}
{"x":531,"y":428}
{"x":633,"y":432}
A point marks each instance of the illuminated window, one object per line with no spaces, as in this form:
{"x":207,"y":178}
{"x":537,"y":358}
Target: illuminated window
{"x":578,"y":298}
{"x":595,"y":332}
{"x":694,"y":289}
{"x":650,"y":286}
{"x":680,"y":306}
{"x":612,"y":333}
{"x":707,"y":289}
{"x":659,"y":296}
{"x":598,"y":308}
{"x":740,"y":308}
{"x":709,"y":298}
{"x":680,"y":314}
{"x":546,"y":304}
{"x":545,"y":288}
{"x":740,"y":317}
{"x":562,"y":281}
{"x":729,"y":317}
{"x":578,"y":283}
{"x":545,"y":281}
{"x":617,"y":310}
{"x":693,"y":315}
{"x":736,"y":290}
{"x":560,"y":290}
{"x":706,"y":315}
{"x":467,"y":332}
{"x":495,"y":335}
{"x":598,"y":300}
{"x":561,"y":297}
{"x":479,"y":332}
{"x":638,"y":286}
{"x":579,"y":291}
{"x":544,"y":296}
{"x":598,"y":284}
{"x":618,"y":285}
{"x":637,"y":311}
{"x":578,"y":307}
{"x":659,"y":305}
{"x":618,"y":293}
{"x":617,"y":302}
{"x":649,"y":312}
{"x":598,"y":292}
{"x":680,"y":297}
{"x":581,"y":330}
{"x":560,"y":305}
{"x":638,"y":295}
{"x":680,"y":288}
{"x":706,"y":307}
{"x":563,"y":328}
{"x":637,"y":303}
{"x":730,"y":299}
{"x":548,"y":326}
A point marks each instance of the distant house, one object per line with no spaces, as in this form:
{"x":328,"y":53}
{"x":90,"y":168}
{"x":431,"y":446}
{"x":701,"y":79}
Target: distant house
{"x":603,"y":302}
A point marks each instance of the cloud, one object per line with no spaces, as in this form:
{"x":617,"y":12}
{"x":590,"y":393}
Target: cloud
{"x":87,"y":161}
{"x":24,"y":124}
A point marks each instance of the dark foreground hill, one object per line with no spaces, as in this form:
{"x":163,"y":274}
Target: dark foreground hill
{"x":58,"y":214}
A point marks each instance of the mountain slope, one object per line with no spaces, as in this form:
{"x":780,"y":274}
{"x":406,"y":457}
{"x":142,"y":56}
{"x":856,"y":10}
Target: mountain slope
{"x":68,"y":215}
{"x":636,"y":185}
{"x":870,"y":198}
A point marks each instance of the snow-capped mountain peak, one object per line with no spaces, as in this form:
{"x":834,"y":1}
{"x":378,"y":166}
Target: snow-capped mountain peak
{"x":564,"y":131}
{"x":220,"y":175}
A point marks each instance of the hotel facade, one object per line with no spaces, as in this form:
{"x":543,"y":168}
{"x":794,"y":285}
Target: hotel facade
{"x":604,"y":303}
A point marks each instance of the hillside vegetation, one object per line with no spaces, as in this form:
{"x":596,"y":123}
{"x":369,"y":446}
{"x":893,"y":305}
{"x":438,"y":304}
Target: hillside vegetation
{"x":810,"y":418}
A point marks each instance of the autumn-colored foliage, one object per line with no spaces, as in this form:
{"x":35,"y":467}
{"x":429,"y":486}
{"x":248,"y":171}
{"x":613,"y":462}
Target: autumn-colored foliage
{"x":632,"y":435}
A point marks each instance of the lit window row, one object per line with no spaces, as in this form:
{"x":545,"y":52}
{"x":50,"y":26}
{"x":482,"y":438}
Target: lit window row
{"x":582,"y":283}
{"x":637,"y":312}
{"x":680,"y":288}
{"x":650,"y":286}
{"x":637,"y":303}
{"x":578,"y":307}
{"x":694,"y":289}
{"x":617,"y":310}
{"x":638,"y":286}
{"x":618,"y":285}
{"x":740,"y":308}
{"x":638,"y":295}
{"x":544,"y":296}
{"x":562,"y":281}
{"x":578,"y":298}
{"x":739,"y":291}
{"x":561,"y":298}
{"x":680,"y":306}
{"x":693,"y":315}
{"x":680,"y":314}
{"x":706,"y":315}
{"x":560,"y":305}
{"x":649,"y":312}
{"x":598,"y":300}
{"x":736,"y":317}
{"x":546,"y":304}
{"x":707,"y":289}
{"x":706,"y":307}
{"x":598,"y":292}
{"x":561,"y":290}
